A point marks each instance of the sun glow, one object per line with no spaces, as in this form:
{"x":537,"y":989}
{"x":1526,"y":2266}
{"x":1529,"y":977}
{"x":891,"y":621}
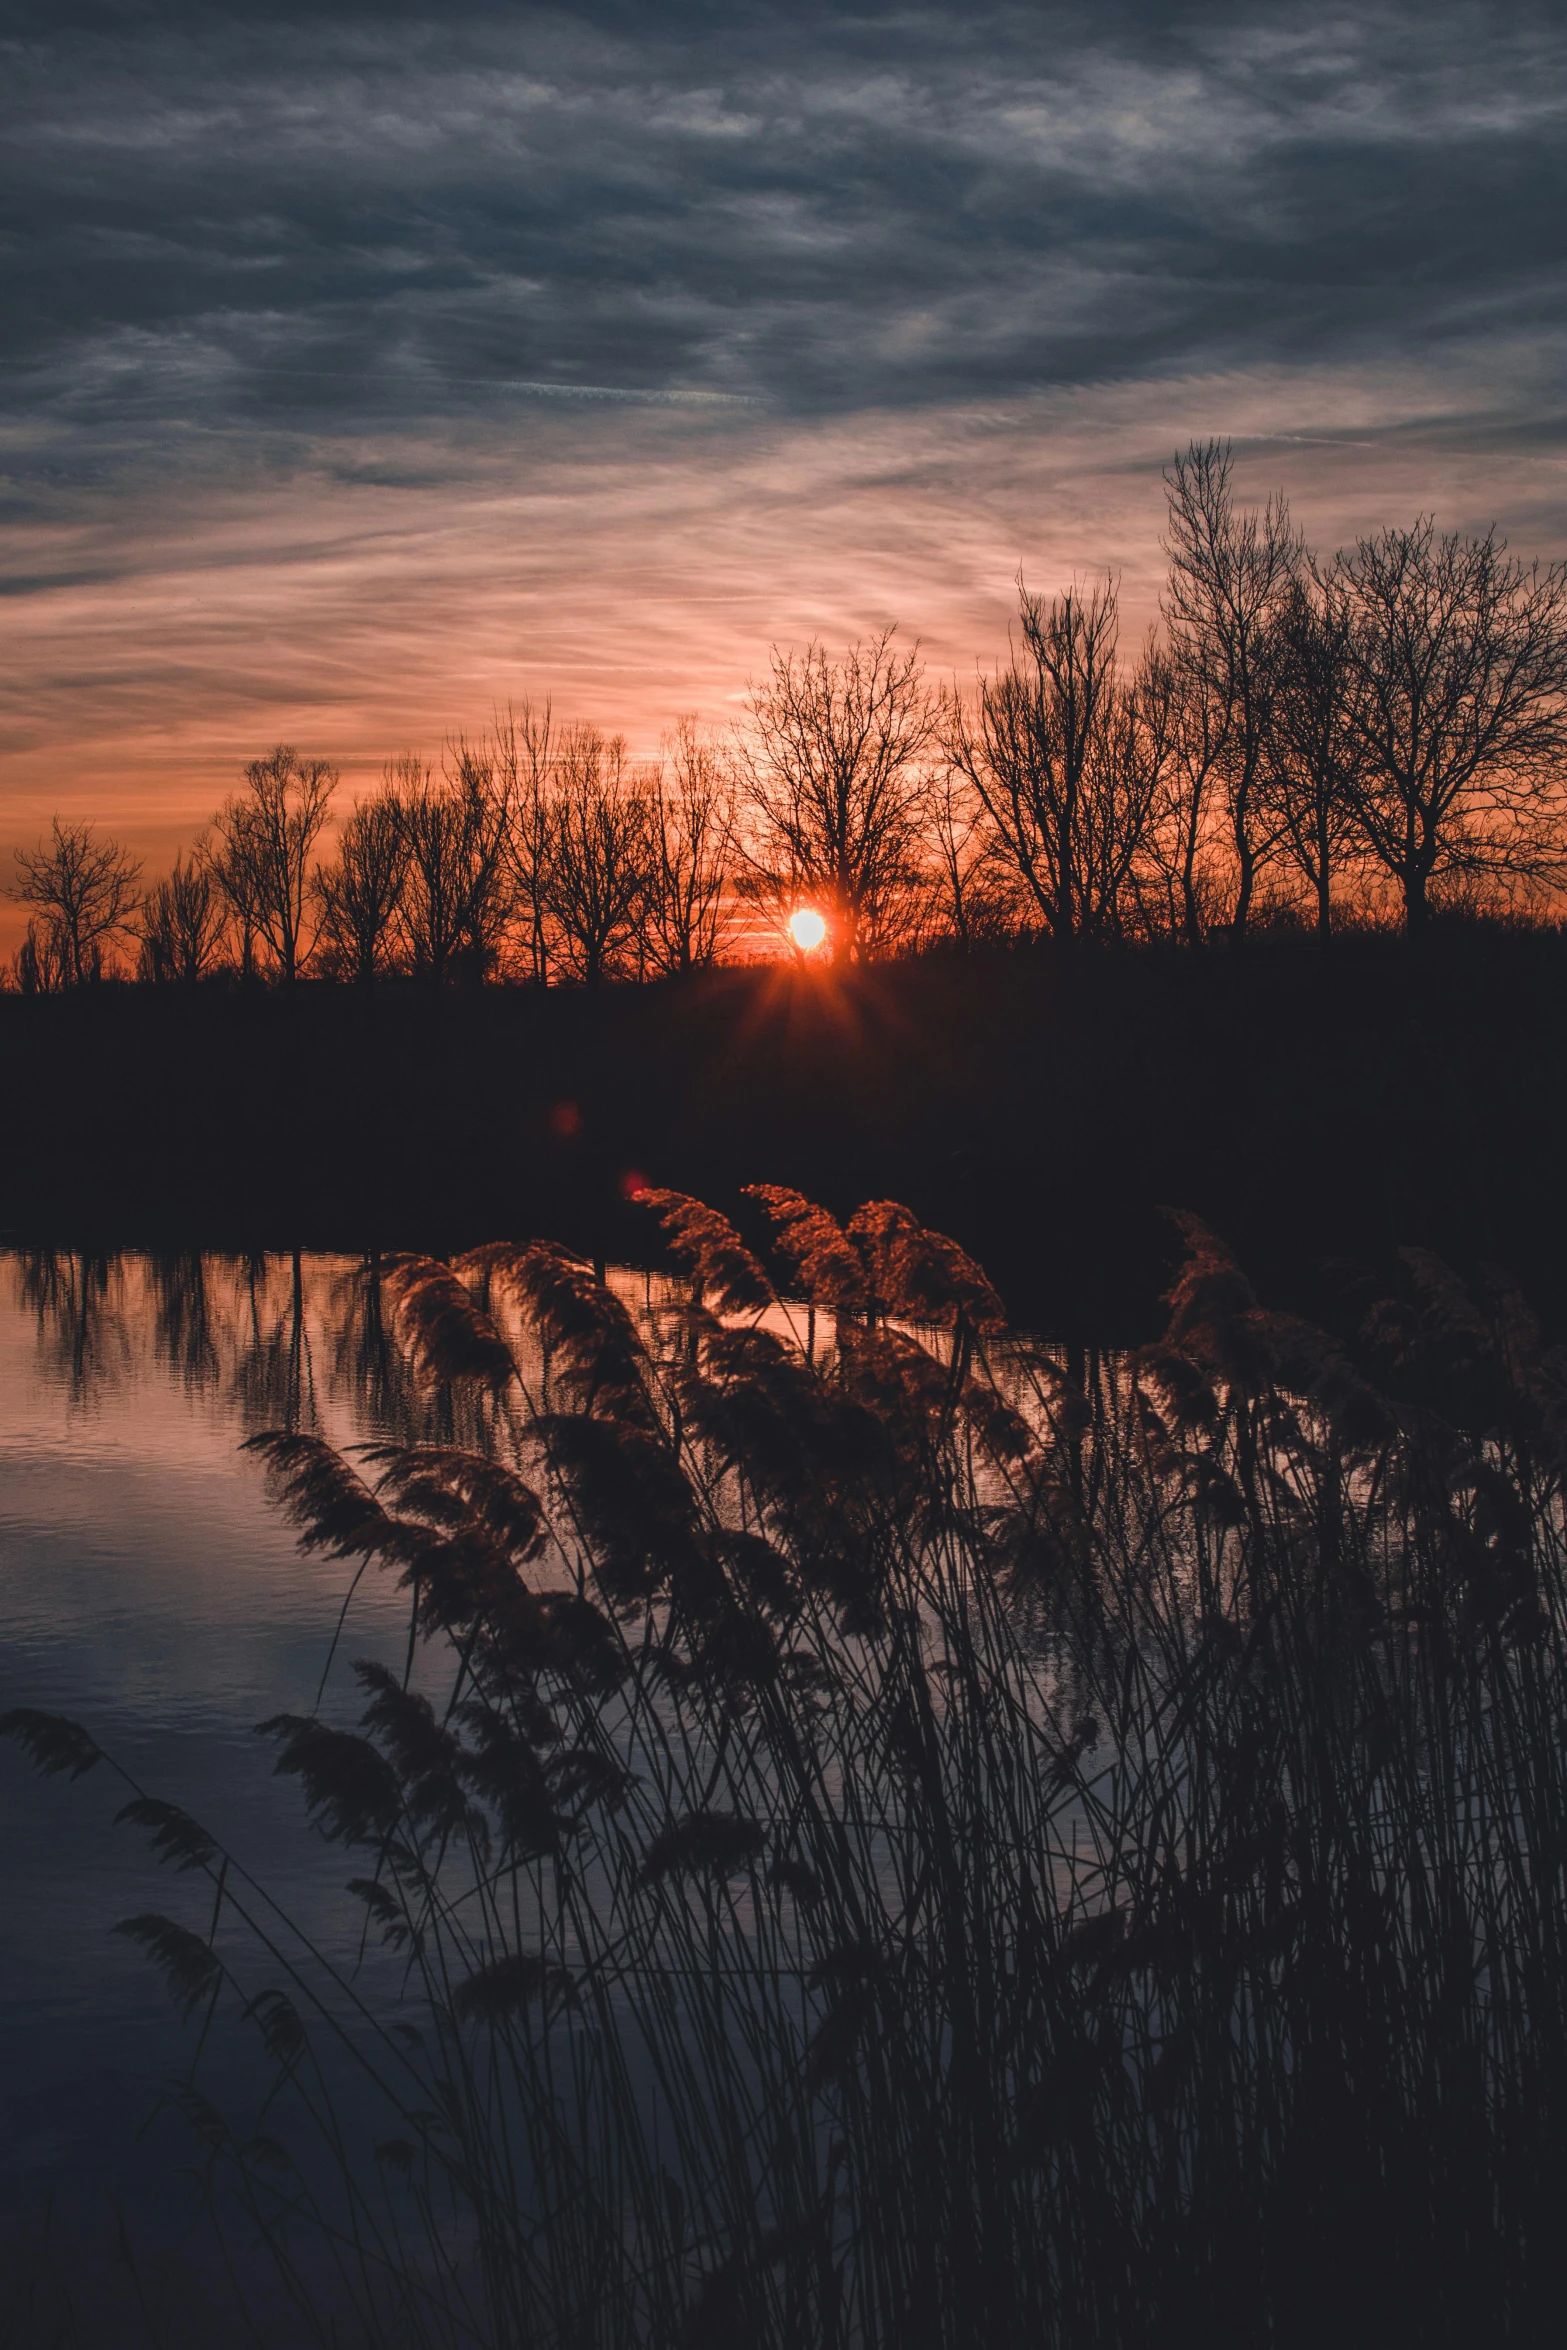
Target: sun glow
{"x":807,"y":929}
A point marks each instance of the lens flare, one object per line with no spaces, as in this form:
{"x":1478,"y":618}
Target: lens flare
{"x":807,"y":929}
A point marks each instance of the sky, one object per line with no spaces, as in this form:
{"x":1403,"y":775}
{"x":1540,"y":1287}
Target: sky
{"x":367,"y":367}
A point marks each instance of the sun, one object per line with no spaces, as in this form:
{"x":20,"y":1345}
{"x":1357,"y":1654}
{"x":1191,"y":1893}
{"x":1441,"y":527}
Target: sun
{"x":807,"y":929}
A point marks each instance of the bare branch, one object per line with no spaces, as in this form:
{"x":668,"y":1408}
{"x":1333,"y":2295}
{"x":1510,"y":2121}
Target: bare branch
{"x":85,"y":890}
{"x":690,"y":916}
{"x":266,"y":834}
{"x":1459,"y":708}
{"x":833,"y":790}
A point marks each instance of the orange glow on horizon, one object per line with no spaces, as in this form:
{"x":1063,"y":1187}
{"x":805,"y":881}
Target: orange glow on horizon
{"x":807,"y":929}
{"x":631,"y":565}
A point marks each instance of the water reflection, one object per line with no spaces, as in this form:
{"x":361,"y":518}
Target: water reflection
{"x":821,"y":1801}
{"x":295,"y":1340}
{"x":70,"y":1296}
{"x":292,"y":1340}
{"x":147,"y":1587}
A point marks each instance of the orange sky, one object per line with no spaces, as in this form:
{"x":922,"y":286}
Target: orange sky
{"x":367,"y":368}
{"x":635,"y":563}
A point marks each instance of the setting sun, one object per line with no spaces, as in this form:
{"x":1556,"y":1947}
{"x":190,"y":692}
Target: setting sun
{"x":807,"y":929}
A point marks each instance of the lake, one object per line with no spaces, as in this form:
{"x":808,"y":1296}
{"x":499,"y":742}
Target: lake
{"x":1078,"y":1787}
{"x":148,"y":1590}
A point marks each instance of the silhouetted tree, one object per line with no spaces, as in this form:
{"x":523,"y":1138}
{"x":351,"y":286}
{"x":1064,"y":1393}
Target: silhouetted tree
{"x":182,"y":924}
{"x":1229,"y":576}
{"x":523,"y":747}
{"x":457,"y":892}
{"x":1458,"y":707}
{"x":1029,"y":745}
{"x":691,"y":809}
{"x":1192,"y":871}
{"x":239,"y":884}
{"x":1127,"y":783}
{"x":1315,"y":755}
{"x":361,"y":894}
{"x":973,"y":889}
{"x":1056,"y":755}
{"x":833,"y":787}
{"x":85,"y":892}
{"x":483,"y":787}
{"x":36,"y":966}
{"x":602,"y":856}
{"x":1397,"y":720}
{"x":266,"y":836}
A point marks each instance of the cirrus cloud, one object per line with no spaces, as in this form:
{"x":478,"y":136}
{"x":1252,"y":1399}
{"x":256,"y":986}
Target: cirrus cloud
{"x":365,"y":365}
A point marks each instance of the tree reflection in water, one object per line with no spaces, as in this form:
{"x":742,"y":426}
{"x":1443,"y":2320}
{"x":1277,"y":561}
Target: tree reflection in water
{"x":900,"y":1835}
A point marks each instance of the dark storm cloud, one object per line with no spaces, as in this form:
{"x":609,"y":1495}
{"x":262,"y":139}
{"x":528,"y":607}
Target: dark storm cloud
{"x":349,"y":220}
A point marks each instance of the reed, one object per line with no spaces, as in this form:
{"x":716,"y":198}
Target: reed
{"x":889,"y":1837}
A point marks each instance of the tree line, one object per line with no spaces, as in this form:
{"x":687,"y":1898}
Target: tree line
{"x":1370,"y":738}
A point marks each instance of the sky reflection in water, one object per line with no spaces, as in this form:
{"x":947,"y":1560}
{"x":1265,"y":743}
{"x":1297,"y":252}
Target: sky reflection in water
{"x":148,"y":1589}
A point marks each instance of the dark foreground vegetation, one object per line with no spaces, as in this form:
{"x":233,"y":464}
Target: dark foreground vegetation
{"x":902,"y":1837}
{"x":1043,"y":1102}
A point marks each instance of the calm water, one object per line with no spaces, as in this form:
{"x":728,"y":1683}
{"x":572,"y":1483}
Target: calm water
{"x":148,"y":1589}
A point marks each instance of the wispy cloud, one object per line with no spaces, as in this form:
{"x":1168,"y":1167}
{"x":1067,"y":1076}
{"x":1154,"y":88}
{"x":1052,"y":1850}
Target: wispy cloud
{"x":365,"y":364}
{"x":299,"y":220}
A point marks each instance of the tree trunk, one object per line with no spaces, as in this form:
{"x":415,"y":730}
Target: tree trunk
{"x":1065,"y":910}
{"x":1246,"y":884}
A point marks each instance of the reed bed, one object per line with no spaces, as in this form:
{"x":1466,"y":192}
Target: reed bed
{"x":887,"y":1834}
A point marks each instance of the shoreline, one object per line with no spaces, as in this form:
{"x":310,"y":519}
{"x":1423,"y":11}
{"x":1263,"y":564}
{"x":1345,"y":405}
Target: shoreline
{"x":1042,"y":1105}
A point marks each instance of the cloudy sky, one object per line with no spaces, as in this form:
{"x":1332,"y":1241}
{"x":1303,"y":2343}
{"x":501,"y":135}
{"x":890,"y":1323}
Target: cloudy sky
{"x":365,"y":367}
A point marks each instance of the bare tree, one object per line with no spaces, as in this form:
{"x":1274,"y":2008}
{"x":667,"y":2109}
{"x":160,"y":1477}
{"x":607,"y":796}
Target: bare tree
{"x":85,"y":890}
{"x":690,"y":801}
{"x":601,"y":874}
{"x":430,"y":903}
{"x":524,"y":746}
{"x":1229,"y":575}
{"x":266,"y":835}
{"x":361,"y":894}
{"x":1126,"y":785}
{"x":239,"y":885}
{"x":36,"y":967}
{"x":1458,"y":709}
{"x":1028,"y":748}
{"x":833,"y":787}
{"x":182,"y":924}
{"x":482,"y":786}
{"x":457,"y":893}
{"x":1056,"y":755}
{"x":1315,"y":755}
{"x":1167,"y":889}
{"x":973,"y":890}
{"x":1192,"y":869}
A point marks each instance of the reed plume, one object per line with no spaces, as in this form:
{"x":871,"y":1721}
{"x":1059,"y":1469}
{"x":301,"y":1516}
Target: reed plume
{"x":815,"y":1245}
{"x":452,"y":1340}
{"x":727,"y":1276}
{"x":903,"y":1839}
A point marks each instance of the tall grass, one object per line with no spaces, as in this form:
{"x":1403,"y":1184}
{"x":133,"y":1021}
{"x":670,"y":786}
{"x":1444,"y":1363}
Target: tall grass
{"x":892,"y":1838}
